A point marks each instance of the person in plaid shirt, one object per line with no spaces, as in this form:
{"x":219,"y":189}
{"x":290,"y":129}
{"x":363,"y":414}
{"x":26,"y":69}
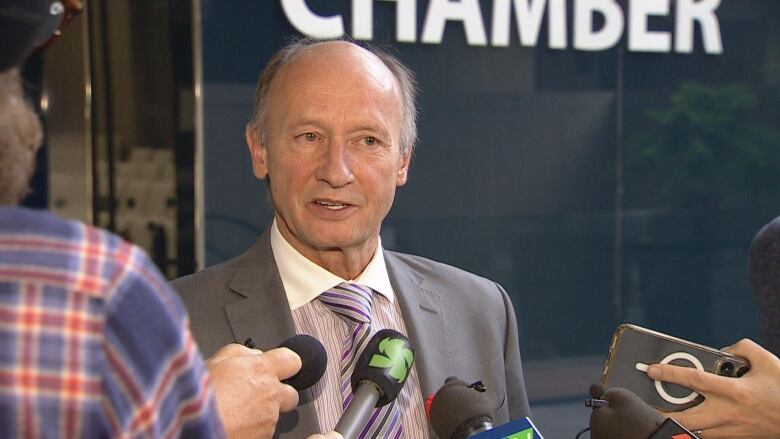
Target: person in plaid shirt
{"x":93,"y":342}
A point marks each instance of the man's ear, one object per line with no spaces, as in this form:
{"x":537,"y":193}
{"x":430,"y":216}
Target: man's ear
{"x":403,"y":170}
{"x":258,"y":152}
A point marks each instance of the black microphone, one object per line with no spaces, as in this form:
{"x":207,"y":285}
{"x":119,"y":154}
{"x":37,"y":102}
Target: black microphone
{"x":626,"y":416}
{"x":380,"y":373}
{"x":314,"y":359}
{"x":763,"y":273}
{"x":459,"y":410}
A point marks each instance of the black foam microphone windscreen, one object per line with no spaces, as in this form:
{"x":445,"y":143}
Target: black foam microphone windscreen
{"x":626,"y":417}
{"x":314,"y":359}
{"x":380,"y":372}
{"x":384,"y":343}
{"x":458,"y":410}
{"x":596,"y":390}
{"x":764,"y":276}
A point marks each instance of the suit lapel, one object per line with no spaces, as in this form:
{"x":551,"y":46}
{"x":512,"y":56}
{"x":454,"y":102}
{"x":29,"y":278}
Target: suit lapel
{"x":258,"y":315}
{"x":263,"y":315}
{"x":424,"y":317}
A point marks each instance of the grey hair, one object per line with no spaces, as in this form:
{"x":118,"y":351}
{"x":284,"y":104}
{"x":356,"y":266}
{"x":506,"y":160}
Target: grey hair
{"x":20,"y":138}
{"x":288,"y":53}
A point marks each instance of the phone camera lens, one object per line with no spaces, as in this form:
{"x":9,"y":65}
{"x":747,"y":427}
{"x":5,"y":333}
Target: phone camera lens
{"x":742,"y":370}
{"x":726,"y":369}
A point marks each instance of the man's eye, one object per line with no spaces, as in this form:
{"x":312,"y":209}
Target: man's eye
{"x":310,"y":137}
{"x":370,"y":141}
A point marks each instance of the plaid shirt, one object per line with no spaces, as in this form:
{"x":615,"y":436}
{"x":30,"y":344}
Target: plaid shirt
{"x":93,"y":343}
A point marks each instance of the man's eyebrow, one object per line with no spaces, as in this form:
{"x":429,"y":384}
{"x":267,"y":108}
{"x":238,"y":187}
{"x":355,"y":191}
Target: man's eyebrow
{"x":299,"y":121}
{"x":371,"y":127}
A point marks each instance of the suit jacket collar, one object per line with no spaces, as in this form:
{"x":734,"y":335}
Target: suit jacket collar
{"x":257,"y":279}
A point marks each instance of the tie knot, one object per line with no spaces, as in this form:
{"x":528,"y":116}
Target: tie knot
{"x":350,"y":301}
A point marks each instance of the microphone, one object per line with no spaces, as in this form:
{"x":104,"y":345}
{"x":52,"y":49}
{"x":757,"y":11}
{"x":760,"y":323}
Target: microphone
{"x":626,"y":416}
{"x":763,"y":269}
{"x":380,"y":373}
{"x":314,"y":359}
{"x":460,"y":410}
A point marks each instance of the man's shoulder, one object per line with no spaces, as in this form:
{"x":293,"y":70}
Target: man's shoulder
{"x":446,"y":278}
{"x":428,"y":267}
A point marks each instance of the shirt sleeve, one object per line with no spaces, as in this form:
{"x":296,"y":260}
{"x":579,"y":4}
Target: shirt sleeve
{"x":154,"y":381}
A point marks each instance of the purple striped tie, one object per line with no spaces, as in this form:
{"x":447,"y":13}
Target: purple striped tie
{"x":352,"y":302}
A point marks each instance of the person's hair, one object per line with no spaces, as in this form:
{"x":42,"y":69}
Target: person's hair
{"x":764,"y":277}
{"x":20,"y":137}
{"x":403,"y":75}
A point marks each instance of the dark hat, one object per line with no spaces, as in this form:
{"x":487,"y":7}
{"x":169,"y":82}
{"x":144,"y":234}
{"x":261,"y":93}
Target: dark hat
{"x":24,"y":25}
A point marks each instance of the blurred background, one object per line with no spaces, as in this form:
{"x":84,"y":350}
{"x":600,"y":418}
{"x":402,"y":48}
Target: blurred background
{"x":597,"y":186}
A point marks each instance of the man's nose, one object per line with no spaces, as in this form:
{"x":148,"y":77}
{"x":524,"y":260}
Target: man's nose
{"x":336,"y":166}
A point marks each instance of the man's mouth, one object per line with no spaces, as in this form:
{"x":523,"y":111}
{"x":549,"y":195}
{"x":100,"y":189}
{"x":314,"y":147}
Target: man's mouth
{"x":332,"y":205}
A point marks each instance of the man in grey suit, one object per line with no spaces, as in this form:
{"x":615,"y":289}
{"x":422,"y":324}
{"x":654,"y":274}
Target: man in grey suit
{"x":332,"y":135}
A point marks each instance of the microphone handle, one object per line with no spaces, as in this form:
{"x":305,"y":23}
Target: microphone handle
{"x":476,"y":429}
{"x":359,"y":411}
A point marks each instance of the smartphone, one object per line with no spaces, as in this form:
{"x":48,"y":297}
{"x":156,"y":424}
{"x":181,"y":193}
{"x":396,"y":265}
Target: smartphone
{"x":633,"y":348}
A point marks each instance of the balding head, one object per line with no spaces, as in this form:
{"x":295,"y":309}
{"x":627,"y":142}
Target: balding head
{"x":337,"y":54}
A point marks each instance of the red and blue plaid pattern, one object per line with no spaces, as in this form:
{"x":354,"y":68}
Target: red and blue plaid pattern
{"x":93,"y":343}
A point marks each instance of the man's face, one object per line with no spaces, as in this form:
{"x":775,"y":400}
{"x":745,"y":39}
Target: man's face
{"x":333,"y":157}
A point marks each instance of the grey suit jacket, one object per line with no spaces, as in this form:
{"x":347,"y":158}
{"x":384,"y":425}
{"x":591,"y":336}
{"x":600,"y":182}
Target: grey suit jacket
{"x":460,"y":324}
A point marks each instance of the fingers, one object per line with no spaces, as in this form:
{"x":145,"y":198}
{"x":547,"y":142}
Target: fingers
{"x":328,"y":435}
{"x":248,"y":389}
{"x":750,"y":350}
{"x":284,"y":362}
{"x":288,"y":398}
{"x":277,"y":364}
{"x":695,"y":379}
{"x":697,"y":418}
{"x":231,"y":350}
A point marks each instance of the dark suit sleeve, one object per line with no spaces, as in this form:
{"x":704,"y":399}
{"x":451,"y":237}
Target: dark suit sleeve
{"x":515,"y":385}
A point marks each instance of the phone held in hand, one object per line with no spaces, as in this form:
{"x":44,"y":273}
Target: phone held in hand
{"x":634,"y":348}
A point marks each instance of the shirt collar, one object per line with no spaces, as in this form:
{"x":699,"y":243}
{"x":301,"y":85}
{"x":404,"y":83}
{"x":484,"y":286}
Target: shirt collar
{"x":304,"y":280}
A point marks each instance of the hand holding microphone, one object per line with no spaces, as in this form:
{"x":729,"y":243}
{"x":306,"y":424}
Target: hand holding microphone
{"x":252,"y":387}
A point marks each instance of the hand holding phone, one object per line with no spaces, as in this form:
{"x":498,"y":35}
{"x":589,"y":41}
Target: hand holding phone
{"x":634,"y":348}
{"x":744,"y":408}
